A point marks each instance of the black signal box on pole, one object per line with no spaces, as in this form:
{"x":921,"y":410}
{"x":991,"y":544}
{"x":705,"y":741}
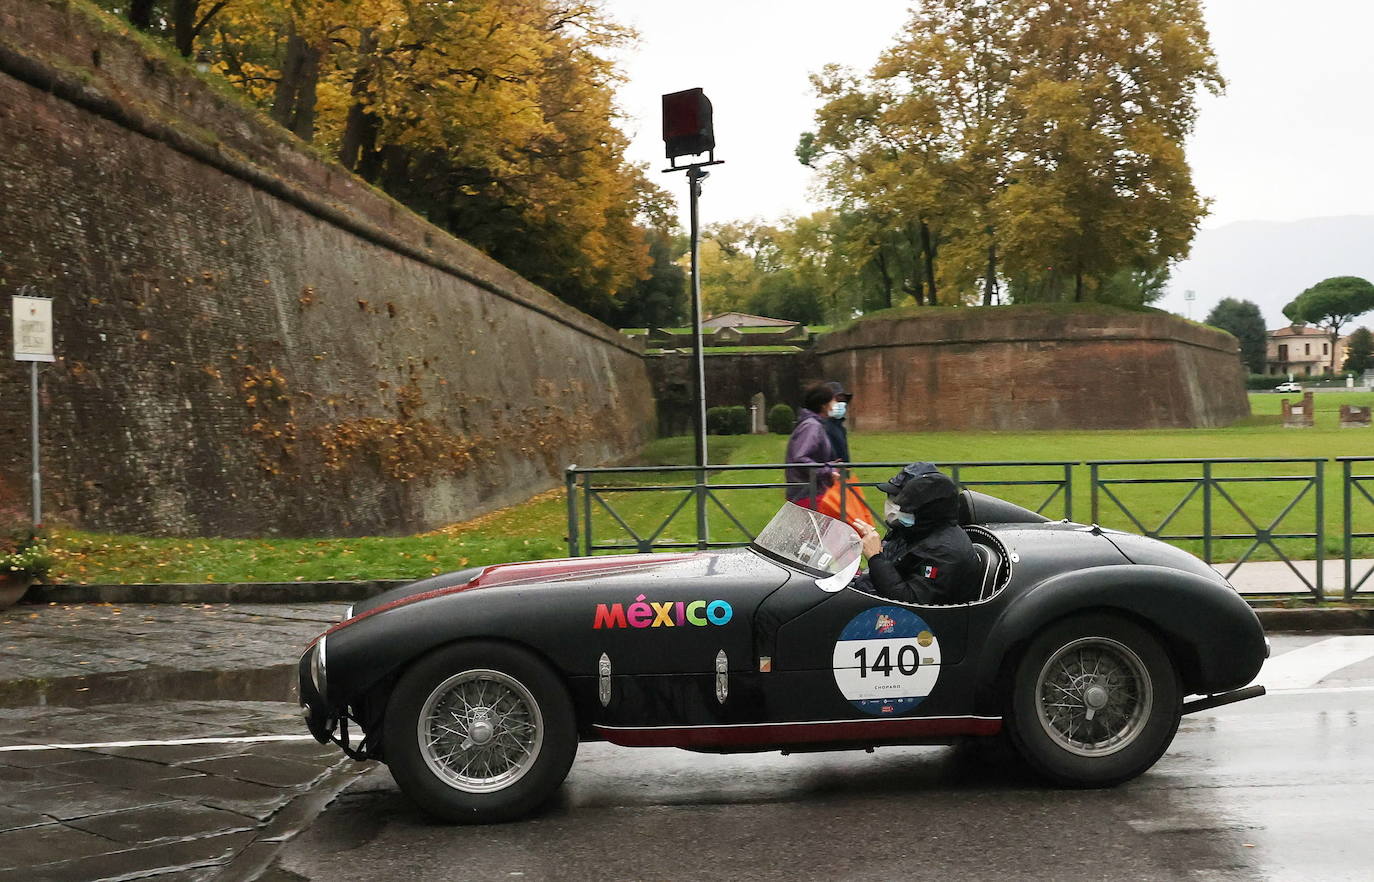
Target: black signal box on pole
{"x":687,"y":125}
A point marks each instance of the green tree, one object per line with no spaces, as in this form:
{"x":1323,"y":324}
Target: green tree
{"x":800,"y":269}
{"x":1332,"y":303}
{"x":1243,"y":320}
{"x":1359,"y":351}
{"x":1105,"y":96}
{"x":494,"y":119}
{"x":733,"y":258}
{"x":1035,"y":142}
{"x":181,"y":21}
{"x":660,"y":300}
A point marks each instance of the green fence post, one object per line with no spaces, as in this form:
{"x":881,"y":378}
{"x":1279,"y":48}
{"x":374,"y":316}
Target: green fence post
{"x":570,"y":484}
{"x":1321,"y":531}
{"x":1092,"y":482}
{"x":844,"y":493}
{"x":1348,"y":545}
{"x":1207,"y":512}
{"x":1068,"y":491}
{"x":703,"y":533}
{"x":587,"y":512}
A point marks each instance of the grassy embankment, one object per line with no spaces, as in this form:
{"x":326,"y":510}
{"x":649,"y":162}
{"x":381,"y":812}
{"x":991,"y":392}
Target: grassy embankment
{"x":536,"y":528}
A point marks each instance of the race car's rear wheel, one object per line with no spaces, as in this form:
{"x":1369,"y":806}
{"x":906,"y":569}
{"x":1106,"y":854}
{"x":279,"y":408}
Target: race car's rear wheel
{"x":1095,"y":701}
{"x":479,"y":732}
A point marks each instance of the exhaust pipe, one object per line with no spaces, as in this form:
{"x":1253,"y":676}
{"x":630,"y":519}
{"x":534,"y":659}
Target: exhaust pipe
{"x":1211,"y":701}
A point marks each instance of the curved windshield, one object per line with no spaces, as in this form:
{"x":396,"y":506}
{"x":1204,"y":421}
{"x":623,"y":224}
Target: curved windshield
{"x":813,"y":541}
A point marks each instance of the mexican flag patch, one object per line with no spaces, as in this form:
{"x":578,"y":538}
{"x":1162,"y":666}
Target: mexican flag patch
{"x":932,"y":572}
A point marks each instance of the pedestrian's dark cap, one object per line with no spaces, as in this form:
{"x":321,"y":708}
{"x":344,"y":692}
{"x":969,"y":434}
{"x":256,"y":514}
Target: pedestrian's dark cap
{"x":839,"y":390}
{"x":898,"y":481}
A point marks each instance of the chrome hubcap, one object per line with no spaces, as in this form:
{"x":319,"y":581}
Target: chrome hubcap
{"x":480,"y":731}
{"x":1094,"y":696}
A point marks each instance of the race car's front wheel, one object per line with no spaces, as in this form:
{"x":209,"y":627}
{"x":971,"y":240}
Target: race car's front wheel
{"x":1095,"y":701}
{"x":479,"y":732}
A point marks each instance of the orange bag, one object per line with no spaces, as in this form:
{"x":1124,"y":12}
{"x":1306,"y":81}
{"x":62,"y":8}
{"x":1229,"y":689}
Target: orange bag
{"x":854,"y":508}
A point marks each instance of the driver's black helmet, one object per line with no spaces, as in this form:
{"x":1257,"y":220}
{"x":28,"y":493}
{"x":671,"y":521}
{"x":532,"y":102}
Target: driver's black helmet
{"x":925,"y":491}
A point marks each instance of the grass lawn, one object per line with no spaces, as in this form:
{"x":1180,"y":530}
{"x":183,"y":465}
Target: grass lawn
{"x":536,"y":529}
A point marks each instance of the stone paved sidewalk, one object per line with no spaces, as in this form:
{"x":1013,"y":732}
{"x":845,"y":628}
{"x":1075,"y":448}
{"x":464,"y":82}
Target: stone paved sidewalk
{"x":64,"y":640}
{"x":98,"y":675}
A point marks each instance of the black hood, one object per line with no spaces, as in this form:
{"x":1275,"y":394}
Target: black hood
{"x":933,"y":498}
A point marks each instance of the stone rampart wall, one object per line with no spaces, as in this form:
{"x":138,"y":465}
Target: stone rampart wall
{"x":252,"y":340}
{"x":1023,"y":368}
{"x":731,"y":379}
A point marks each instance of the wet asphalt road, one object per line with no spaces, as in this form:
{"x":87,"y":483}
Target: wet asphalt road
{"x":1278,"y":788}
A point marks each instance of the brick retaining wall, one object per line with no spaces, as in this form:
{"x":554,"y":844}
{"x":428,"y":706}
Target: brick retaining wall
{"x":252,"y":340}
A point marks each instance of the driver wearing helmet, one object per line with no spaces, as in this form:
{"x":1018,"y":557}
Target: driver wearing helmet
{"x":926,"y":557}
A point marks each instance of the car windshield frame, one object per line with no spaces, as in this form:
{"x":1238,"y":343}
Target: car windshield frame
{"x":817,"y":544}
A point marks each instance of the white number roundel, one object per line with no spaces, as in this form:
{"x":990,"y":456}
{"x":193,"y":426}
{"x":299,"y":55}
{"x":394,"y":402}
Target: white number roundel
{"x":886,"y":660}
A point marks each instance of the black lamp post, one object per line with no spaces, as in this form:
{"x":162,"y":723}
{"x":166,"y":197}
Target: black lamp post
{"x":688,"y":131}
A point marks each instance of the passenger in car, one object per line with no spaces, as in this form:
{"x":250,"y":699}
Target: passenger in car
{"x":926,"y":556}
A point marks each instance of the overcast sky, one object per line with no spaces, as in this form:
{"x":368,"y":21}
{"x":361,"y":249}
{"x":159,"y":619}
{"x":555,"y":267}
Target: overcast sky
{"x":1292,"y":138}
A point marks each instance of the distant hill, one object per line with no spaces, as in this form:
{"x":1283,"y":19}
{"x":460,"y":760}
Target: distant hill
{"x":1271,"y":262}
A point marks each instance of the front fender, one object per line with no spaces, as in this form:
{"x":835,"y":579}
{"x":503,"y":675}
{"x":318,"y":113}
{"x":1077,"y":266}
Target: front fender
{"x":364,"y":652}
{"x":1213,"y":635}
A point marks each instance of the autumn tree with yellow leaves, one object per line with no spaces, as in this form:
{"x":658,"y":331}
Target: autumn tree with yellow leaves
{"x":1032,"y":143}
{"x":494,"y":119}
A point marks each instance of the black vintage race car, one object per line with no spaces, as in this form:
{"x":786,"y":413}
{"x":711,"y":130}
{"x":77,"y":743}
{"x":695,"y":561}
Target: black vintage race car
{"x":475,"y":687}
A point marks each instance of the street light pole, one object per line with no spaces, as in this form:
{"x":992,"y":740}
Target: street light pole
{"x":688,"y":131}
{"x":694,"y":178}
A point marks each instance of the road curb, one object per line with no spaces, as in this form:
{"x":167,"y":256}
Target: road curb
{"x":1317,"y":619}
{"x":215,"y":592}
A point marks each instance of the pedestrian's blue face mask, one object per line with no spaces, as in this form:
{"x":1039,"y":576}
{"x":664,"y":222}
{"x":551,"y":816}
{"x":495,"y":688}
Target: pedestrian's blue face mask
{"x":837,"y":410}
{"x":895,"y":516}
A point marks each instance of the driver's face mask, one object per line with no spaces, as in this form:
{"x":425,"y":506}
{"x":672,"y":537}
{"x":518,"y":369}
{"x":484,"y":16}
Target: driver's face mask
{"x":838,"y":409}
{"x":895,"y":516}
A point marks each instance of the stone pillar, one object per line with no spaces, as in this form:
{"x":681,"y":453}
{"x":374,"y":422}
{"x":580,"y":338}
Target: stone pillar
{"x":1298,"y":416}
{"x":758,"y":415}
{"x":1354,"y":417}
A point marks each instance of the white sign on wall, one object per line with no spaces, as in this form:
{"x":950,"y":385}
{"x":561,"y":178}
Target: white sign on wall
{"x":32,"y":328}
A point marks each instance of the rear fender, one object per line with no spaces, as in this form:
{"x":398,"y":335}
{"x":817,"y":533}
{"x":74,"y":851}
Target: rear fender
{"x":1213,"y":635}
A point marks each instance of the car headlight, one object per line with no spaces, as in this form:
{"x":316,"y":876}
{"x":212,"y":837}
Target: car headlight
{"x":317,"y":667}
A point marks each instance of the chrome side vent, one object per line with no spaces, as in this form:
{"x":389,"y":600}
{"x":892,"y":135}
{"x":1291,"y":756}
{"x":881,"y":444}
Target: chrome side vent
{"x":603,"y":682}
{"x":722,"y":677}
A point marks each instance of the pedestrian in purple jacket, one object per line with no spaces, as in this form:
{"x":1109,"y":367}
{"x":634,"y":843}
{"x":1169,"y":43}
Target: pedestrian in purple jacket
{"x":810,"y":443}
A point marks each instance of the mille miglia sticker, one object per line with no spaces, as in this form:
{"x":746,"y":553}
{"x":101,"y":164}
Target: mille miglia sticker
{"x":644,"y":613}
{"x":886,"y":660}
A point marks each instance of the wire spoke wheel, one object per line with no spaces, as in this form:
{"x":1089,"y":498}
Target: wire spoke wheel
{"x":1094,"y":696}
{"x":480,"y":731}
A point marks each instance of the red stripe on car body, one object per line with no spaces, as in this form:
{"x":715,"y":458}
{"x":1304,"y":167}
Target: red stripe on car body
{"x":756,"y":734}
{"x":504,"y":574}
{"x":515,"y":573}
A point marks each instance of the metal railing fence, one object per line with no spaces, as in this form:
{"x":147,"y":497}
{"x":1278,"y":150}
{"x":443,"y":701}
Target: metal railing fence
{"x":1277,"y":505}
{"x":1205,"y":485}
{"x":589,"y":489}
